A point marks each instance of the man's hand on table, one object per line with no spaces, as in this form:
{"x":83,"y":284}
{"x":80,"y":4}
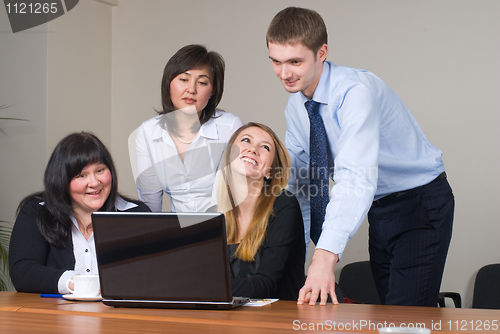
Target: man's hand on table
{"x":320,"y":279}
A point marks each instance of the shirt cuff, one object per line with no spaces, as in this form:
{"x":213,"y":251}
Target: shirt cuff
{"x":61,"y":285}
{"x":333,"y":242}
{"x":153,"y":200}
{"x":123,"y":205}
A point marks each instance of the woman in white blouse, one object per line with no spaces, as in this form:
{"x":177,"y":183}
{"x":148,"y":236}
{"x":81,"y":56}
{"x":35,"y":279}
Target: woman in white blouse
{"x":180,"y":150}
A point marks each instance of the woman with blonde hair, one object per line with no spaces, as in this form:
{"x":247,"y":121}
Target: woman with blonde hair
{"x":265,"y":231}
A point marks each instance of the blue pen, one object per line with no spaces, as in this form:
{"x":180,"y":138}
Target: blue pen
{"x":49,"y":295}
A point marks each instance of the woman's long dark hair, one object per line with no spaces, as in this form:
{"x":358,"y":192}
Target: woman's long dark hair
{"x":70,"y":156}
{"x":191,"y":57}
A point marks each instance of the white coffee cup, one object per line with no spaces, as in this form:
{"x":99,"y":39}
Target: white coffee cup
{"x":402,"y":330}
{"x":84,"y":285}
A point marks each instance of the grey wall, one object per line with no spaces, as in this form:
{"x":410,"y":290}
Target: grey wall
{"x":23,"y":84}
{"x":440,"y":56}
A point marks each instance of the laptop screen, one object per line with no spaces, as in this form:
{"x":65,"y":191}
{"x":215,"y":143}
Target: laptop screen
{"x":162,"y":256}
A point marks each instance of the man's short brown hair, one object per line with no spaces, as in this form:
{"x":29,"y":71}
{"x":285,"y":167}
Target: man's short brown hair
{"x":295,"y":25}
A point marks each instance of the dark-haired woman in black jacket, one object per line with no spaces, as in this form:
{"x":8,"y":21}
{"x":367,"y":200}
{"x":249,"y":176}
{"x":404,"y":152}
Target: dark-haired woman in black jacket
{"x":52,"y":239}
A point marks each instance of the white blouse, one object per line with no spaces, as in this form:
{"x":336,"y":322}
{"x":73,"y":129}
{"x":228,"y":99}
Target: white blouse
{"x":190,"y":183}
{"x":84,"y":250}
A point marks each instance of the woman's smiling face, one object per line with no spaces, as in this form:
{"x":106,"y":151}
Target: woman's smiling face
{"x":90,"y":189}
{"x":252,"y":153}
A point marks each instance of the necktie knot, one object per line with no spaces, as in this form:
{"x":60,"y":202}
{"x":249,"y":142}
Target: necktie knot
{"x":312,"y":107}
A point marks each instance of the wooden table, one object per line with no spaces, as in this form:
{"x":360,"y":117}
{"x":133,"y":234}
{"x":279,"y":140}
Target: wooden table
{"x":28,"y":313}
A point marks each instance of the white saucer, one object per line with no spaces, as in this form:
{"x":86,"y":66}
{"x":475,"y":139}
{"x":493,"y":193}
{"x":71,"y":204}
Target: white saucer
{"x":404,"y":330}
{"x":83,"y":299}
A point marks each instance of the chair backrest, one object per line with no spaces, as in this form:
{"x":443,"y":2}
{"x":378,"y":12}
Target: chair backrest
{"x":487,"y":287}
{"x":357,"y":283}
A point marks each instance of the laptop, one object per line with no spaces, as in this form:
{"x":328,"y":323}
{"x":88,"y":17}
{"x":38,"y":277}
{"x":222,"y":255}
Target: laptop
{"x":163,"y":260}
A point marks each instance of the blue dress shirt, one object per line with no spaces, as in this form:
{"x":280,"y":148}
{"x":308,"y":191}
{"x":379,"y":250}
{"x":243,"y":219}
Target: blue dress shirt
{"x":374,"y":142}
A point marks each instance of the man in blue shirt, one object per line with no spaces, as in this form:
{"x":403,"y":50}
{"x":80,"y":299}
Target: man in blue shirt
{"x":379,"y":159}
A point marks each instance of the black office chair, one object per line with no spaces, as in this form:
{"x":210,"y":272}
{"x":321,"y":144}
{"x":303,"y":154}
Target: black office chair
{"x":338,"y":293}
{"x":357,"y":283}
{"x":487,"y":287}
{"x":455,"y":296}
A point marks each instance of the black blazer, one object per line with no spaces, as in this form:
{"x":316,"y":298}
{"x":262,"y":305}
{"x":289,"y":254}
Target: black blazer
{"x":278,"y":269}
{"x":34,"y":264}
